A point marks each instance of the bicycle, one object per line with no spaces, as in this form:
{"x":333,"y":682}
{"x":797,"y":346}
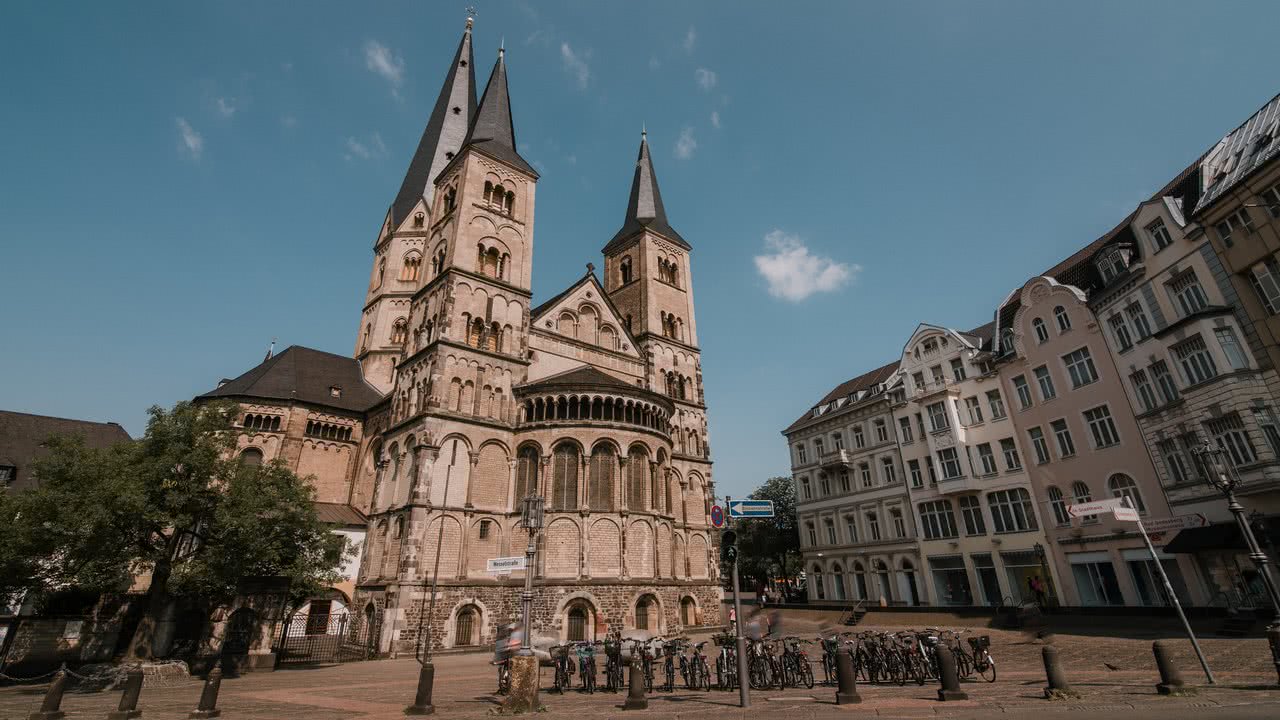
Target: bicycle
{"x":727,"y":662}
{"x":586,"y":652}
{"x":670,"y":650}
{"x":640,"y":651}
{"x":613,"y":676}
{"x":699,"y":673}
{"x":795,"y":663}
{"x":830,"y":649}
{"x":504,"y":677}
{"x":983,"y":663}
{"x":564,"y":667}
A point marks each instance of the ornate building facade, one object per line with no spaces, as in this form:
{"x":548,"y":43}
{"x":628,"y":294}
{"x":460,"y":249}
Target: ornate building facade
{"x":470,"y":398}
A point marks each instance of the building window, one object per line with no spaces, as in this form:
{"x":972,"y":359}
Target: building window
{"x":464,"y":628}
{"x":1045,"y":381}
{"x":917,"y":478}
{"x":1059,"y":505}
{"x":1123,"y":486}
{"x":484,"y":529}
{"x":564,"y":487}
{"x":858,"y":440}
{"x":1080,"y":367}
{"x":1080,"y":495}
{"x":974,"y":406}
{"x":1265,"y":277}
{"x":1012,"y":510}
{"x":938,"y":416}
{"x":399,"y":332}
{"x":817,"y":447}
{"x":1042,"y":332}
{"x":1233,"y":225}
{"x":865,"y":470}
{"x":1271,"y":198}
{"x":890,"y":475}
{"x":899,"y":523}
{"x":933,"y":473}
{"x":1187,"y":293}
{"x":937,"y":521}
{"x":1197,"y":364}
{"x":1102,"y":427}
{"x":920,"y":424}
{"x":1229,"y":434}
{"x":882,"y":431}
{"x":971,"y":511}
{"x":1010,"y":449}
{"x":1175,"y":462}
{"x":813,"y":535}
{"x":988,"y":459}
{"x":957,"y":369}
{"x":9,"y":474}
{"x":824,"y":485}
{"x":1120,"y":331}
{"x":904,"y":425}
{"x":844,"y":481}
{"x":805,"y":491}
{"x":873,"y":526}
{"x":1142,"y":388}
{"x":1159,"y":235}
{"x":1231,"y":348}
{"x":1024,"y":392}
{"x":1138,"y":316}
{"x":1064,"y":320}
{"x":1164,"y":380}
{"x":851,"y":528}
{"x":831,"y":531}
{"x":800,"y":455}
{"x":1040,"y":445}
{"x":251,"y":456}
{"x":996,"y":404}
{"x":837,"y":440}
{"x":412,"y":267}
{"x":1266,"y":420}
{"x":950,"y":463}
{"x":1061,"y":433}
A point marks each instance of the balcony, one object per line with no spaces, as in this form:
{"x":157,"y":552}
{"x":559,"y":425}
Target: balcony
{"x":956,"y":486}
{"x":934,"y":387}
{"x":836,"y":458}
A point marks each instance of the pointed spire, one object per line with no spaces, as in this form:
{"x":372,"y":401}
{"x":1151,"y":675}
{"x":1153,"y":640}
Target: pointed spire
{"x":644,"y":208}
{"x":271,"y":350}
{"x":446,"y":128}
{"x":492,"y":131}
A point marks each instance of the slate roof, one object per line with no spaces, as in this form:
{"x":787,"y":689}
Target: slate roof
{"x":339,"y":514}
{"x":846,"y":388}
{"x":22,"y":437}
{"x":492,"y":132}
{"x":443,"y":134}
{"x":644,"y":207}
{"x":303,"y":374}
{"x":1240,"y":153}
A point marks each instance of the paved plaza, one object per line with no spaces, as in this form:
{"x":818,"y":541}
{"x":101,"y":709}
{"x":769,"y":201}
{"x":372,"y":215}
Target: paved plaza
{"x":465,"y":683}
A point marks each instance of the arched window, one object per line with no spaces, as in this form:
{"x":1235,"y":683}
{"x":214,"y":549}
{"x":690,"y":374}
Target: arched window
{"x":527,"y":473}
{"x":368,"y":331}
{"x":564,"y":488}
{"x":600,"y":489}
{"x":624,"y":269}
{"x":419,"y":220}
{"x":464,"y":629}
{"x":837,"y":579}
{"x":494,"y":340}
{"x":577,"y":624}
{"x":475,"y":332}
{"x":1080,"y":493}
{"x":646,"y":613}
{"x":510,"y":202}
{"x":882,"y":572}
{"x":817,"y":583}
{"x":489,"y":262}
{"x":1122,"y":486}
{"x":860,"y":580}
{"x":1059,"y":505}
{"x":1064,"y":320}
{"x":251,"y":456}
{"x":488,"y":191}
{"x":688,"y":612}
{"x":399,"y":332}
{"x":412,"y":267}
{"x":637,"y":478}
{"x":1042,"y":332}
{"x":499,"y":193}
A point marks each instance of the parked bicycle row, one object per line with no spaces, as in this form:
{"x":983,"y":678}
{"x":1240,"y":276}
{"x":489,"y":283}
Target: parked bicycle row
{"x":908,"y":655}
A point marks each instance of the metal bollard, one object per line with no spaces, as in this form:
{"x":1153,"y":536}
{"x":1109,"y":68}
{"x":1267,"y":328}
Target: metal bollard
{"x":50,"y":709}
{"x":1059,"y":688}
{"x":422,"y":700}
{"x":636,"y":699}
{"x":949,"y":676}
{"x":208,"y":707}
{"x":128,"y":707}
{"x":1170,"y":679}
{"x":846,"y":679}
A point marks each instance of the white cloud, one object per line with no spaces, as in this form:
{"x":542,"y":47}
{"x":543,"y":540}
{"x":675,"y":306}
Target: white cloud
{"x":794,"y":274}
{"x":192,"y":141}
{"x":685,"y":144}
{"x":365,"y":149}
{"x":226,"y":106}
{"x":690,"y":39}
{"x":706,"y":78}
{"x":576,"y":64}
{"x":381,"y":60}
{"x":715,"y":119}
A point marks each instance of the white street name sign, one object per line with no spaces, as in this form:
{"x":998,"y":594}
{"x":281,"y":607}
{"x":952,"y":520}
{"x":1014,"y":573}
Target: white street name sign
{"x":1094,"y":508}
{"x":1180,"y":522}
{"x":1126,"y":514}
{"x":503,"y":566}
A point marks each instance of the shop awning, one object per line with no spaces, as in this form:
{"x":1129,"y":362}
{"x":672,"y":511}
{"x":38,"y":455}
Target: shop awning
{"x":1224,"y":536}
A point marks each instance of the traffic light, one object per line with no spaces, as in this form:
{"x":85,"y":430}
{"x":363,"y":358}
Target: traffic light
{"x":728,"y":546}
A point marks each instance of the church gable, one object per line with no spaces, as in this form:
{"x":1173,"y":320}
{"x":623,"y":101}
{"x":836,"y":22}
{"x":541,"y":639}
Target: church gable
{"x":585,"y":314}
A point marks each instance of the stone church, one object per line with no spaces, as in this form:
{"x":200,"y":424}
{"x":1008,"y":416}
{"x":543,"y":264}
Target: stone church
{"x":463,"y":397}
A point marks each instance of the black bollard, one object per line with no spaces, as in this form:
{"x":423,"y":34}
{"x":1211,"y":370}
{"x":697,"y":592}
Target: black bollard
{"x":208,"y":707}
{"x":949,"y":676}
{"x":1170,"y":679}
{"x":1059,"y":688}
{"x":50,"y":709}
{"x":422,"y":700}
{"x":635,"y":688}
{"x":846,"y":679}
{"x":129,"y":698}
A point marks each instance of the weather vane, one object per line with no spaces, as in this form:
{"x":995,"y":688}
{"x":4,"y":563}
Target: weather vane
{"x":471,"y":14}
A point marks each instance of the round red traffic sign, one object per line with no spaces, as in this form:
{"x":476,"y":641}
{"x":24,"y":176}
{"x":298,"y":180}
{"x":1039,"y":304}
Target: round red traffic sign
{"x":717,"y":516}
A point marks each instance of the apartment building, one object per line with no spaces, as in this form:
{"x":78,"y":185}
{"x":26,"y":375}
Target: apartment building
{"x":857,"y":533}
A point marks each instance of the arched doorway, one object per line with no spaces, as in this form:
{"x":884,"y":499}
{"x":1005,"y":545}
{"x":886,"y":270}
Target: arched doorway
{"x":860,"y":580}
{"x":819,"y":590}
{"x":466,"y":627}
{"x":882,"y":575}
{"x":837,"y":580}
{"x":579,"y":623}
{"x":688,"y":612}
{"x":241,"y":627}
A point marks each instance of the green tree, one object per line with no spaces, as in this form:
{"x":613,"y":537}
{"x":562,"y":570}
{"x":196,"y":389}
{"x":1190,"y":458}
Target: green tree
{"x":175,"y":509}
{"x":769,"y":547}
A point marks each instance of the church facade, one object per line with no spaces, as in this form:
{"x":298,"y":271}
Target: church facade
{"x":463,"y":397}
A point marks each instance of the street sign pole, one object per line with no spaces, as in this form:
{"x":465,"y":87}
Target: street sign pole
{"x":744,"y":693}
{"x":1168,"y":589}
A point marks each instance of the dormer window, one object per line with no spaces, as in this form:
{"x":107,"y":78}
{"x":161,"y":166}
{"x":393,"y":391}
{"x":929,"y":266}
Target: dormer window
{"x":335,"y":391}
{"x":1159,"y":234}
{"x":1235,"y":224}
{"x":1111,"y":264}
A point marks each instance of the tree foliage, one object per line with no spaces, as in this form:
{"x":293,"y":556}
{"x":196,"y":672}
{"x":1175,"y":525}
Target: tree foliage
{"x":175,"y":508}
{"x":769,"y":547}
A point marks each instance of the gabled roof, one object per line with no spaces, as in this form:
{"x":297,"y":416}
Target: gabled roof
{"x":22,"y":438}
{"x":589,"y":277}
{"x":303,"y":374}
{"x":644,"y":207}
{"x":582,"y":376}
{"x":339,"y":514}
{"x":492,"y":132}
{"x":446,"y":129}
{"x":1240,"y":153}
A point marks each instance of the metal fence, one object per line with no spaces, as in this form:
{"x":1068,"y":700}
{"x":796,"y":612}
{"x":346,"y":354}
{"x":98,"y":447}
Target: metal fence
{"x":308,"y":637}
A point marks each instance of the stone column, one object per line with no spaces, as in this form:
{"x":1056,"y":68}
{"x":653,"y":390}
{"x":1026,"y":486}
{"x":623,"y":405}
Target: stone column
{"x":474,"y":458}
{"x":513,"y":502}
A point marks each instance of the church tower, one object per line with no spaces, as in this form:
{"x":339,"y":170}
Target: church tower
{"x":649,"y":279}
{"x":399,"y":255}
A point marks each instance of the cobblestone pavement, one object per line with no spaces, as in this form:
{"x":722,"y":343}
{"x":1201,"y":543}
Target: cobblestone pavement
{"x":464,"y":683}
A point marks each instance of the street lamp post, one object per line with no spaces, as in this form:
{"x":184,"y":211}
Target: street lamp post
{"x":1222,"y":475}
{"x":531,"y":520}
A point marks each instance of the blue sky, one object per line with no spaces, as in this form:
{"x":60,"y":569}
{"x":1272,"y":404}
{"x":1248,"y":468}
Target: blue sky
{"x":181,"y":182}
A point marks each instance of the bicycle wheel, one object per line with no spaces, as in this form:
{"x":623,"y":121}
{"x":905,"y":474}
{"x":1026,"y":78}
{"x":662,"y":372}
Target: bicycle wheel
{"x":988,"y":670}
{"x":806,"y":673}
{"x":705,"y":676}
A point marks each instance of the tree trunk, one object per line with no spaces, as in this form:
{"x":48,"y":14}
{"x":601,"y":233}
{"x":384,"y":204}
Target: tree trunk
{"x":141,"y":647}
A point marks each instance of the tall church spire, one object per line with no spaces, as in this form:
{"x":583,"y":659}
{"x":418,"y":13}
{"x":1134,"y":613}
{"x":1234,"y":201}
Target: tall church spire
{"x":492,"y":132}
{"x":644,"y":208}
{"x":446,"y":129}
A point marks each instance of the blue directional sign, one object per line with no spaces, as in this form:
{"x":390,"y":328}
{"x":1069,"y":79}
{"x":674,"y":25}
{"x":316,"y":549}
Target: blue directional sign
{"x":751,"y":508}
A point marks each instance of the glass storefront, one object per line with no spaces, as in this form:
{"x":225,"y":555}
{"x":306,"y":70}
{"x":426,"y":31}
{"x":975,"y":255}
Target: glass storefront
{"x":988,"y":581}
{"x":1019,"y":568}
{"x":951,"y":580}
{"x":1095,"y":578}
{"x":1146,"y":579}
